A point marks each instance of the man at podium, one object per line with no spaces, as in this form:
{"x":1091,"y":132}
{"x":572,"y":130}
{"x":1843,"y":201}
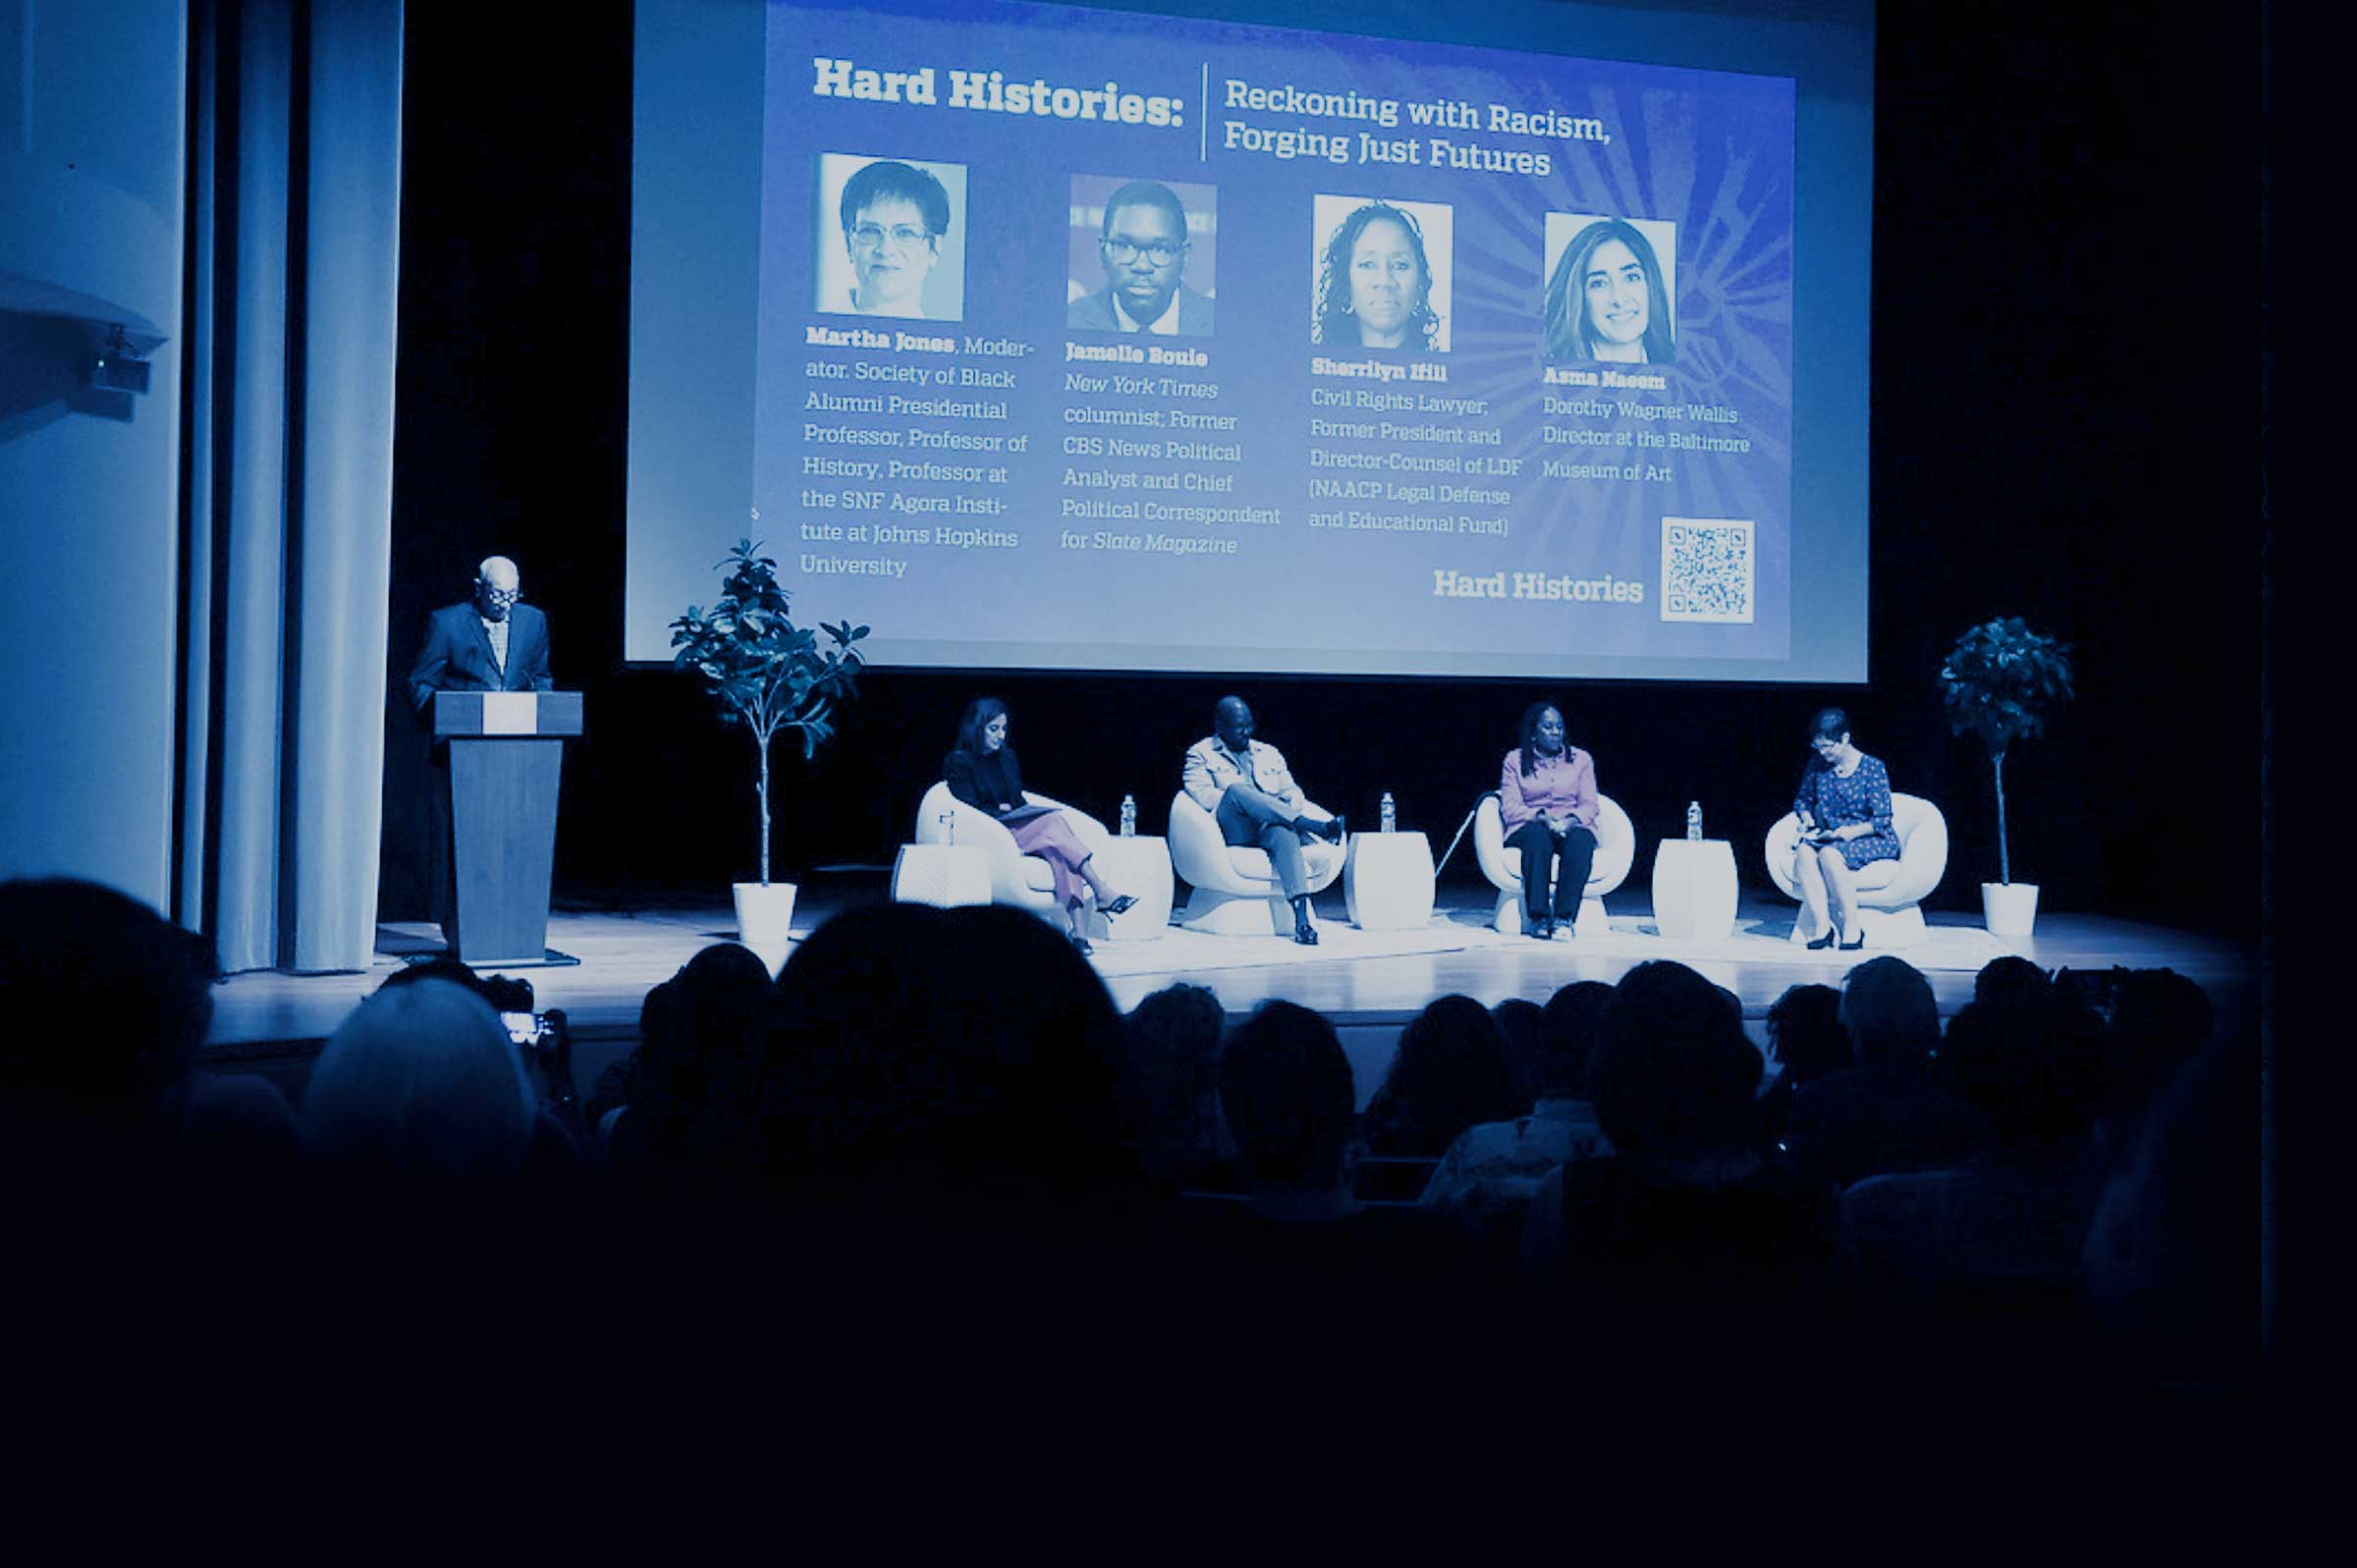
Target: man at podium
{"x":490,"y":643}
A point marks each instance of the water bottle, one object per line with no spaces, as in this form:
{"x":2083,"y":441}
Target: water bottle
{"x":1694,"y":821}
{"x":949,"y":827}
{"x":1390,"y":815}
{"x":1128,"y":816}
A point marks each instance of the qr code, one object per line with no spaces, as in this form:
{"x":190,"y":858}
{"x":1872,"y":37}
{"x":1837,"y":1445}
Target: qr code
{"x":1707,"y":568}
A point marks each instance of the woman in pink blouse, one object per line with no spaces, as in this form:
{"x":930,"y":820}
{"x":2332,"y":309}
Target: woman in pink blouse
{"x":1547,"y":794}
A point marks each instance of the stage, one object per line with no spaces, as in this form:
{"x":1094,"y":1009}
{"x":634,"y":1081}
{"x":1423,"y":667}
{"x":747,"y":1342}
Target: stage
{"x":1369,"y":983}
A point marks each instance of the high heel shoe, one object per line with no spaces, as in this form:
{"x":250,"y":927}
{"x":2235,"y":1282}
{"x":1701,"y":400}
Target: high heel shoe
{"x":1828,"y":940}
{"x":1853,"y":946}
{"x":1082,"y":946}
{"x":1120,"y":906}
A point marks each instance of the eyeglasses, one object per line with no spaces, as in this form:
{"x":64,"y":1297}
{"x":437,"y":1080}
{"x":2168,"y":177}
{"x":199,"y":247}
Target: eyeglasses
{"x":503,"y":596}
{"x":1161,"y":252}
{"x":871,"y":237}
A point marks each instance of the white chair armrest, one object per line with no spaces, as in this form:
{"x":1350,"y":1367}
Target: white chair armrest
{"x":976,"y":830}
{"x":1616,"y":847}
{"x":1198,"y":854}
{"x":1922,"y":848}
{"x":1489,"y":845}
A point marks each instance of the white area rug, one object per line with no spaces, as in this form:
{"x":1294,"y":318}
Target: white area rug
{"x":1182,"y":951}
{"x":1634,"y":937}
{"x":1964,"y":948}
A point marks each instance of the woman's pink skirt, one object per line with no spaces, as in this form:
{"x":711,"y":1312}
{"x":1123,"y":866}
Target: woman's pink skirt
{"x":1052,"y":839}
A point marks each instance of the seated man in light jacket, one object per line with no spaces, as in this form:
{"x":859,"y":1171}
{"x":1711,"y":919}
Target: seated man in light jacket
{"x":1250,"y":793}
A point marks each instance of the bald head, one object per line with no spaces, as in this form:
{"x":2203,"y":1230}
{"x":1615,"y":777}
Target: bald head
{"x":497,"y":586}
{"x":1231,"y":722}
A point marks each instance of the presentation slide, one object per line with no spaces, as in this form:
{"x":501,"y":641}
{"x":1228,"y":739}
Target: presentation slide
{"x":1113,"y":340}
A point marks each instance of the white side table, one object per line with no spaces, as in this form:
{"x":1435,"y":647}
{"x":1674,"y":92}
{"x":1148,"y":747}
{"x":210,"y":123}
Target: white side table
{"x":1387,"y":882}
{"x":1694,"y":888}
{"x":945,"y":876}
{"x":1140,"y":868}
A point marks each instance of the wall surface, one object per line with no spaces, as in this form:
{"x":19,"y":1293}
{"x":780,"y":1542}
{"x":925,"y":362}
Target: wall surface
{"x":90,"y":176}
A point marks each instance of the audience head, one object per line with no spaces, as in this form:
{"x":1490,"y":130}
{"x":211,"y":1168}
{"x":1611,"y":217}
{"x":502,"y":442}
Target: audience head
{"x":2010,"y":979}
{"x":1890,"y":1013}
{"x":2173,"y":1249}
{"x":699,"y":1032}
{"x":1574,"y":1019}
{"x":1522,"y":1023}
{"x":724,"y":967}
{"x":2162,"y":1020}
{"x":1451,"y":1072}
{"x":421,"y":1080}
{"x":1673,"y":1073}
{"x":1286,"y":1089}
{"x":107,"y":1004}
{"x":1177,"y":1028}
{"x":1804,"y":1030}
{"x":501,"y":993}
{"x":1172,"y":1078}
{"x":908,"y":1054}
{"x":2032,"y":1069}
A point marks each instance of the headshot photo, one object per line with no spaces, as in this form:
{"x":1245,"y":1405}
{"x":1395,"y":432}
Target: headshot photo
{"x":890,"y":237}
{"x":1142,"y":256}
{"x":1609,"y":285}
{"x":1381,"y":277}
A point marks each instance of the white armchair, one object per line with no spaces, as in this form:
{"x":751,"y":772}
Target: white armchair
{"x":1890,"y":893}
{"x":1027,"y":882}
{"x":1236,"y":892}
{"x":1616,"y":853}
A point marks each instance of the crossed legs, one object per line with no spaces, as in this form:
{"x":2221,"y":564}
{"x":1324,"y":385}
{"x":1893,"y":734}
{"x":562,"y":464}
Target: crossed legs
{"x":1253,"y":817}
{"x":1052,"y":839}
{"x":1249,"y":816}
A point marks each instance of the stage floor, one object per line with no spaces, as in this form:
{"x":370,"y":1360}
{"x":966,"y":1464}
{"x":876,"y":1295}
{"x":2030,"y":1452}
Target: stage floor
{"x":624,"y":953}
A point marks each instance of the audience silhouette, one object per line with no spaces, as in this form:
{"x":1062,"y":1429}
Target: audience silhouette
{"x":2065,"y":1183}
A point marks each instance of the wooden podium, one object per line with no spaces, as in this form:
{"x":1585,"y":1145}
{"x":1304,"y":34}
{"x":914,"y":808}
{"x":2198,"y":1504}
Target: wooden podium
{"x":506,"y":750}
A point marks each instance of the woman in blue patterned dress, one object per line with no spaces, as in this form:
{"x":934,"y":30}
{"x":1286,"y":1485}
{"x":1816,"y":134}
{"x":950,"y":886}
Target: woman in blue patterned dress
{"x":1843,"y":804}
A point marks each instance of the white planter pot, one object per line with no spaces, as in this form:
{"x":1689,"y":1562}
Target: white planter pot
{"x":2011,"y":909}
{"x":765,"y":919}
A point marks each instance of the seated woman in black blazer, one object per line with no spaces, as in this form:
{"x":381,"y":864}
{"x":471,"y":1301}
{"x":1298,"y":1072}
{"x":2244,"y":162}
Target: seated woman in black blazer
{"x":982,"y":772}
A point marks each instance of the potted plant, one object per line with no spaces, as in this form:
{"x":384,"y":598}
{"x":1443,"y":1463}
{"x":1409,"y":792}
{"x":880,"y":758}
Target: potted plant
{"x":1999,"y":683}
{"x":769,"y":675}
